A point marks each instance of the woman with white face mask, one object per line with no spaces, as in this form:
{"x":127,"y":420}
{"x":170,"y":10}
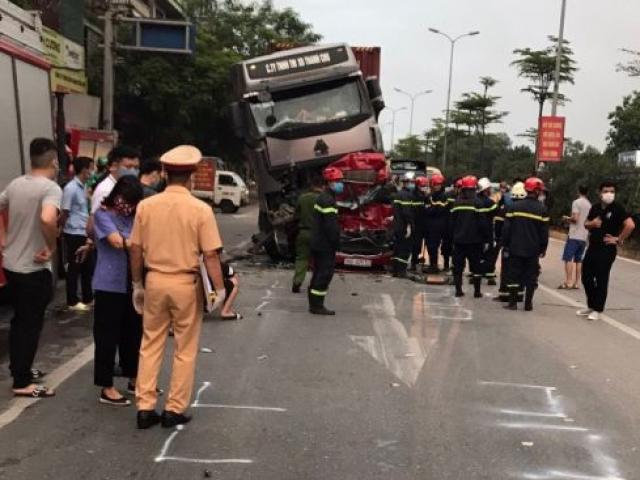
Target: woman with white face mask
{"x":609,"y":225}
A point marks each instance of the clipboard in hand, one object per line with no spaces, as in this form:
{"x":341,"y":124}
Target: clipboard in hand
{"x":209,"y":291}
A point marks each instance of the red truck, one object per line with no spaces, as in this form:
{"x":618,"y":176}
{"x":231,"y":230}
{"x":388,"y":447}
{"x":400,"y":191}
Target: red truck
{"x":299,"y":110}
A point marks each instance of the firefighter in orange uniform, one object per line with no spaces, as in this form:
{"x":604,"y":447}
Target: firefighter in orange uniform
{"x":171,"y":231}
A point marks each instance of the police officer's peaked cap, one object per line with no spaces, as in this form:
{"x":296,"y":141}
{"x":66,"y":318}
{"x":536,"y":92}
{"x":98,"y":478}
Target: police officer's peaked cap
{"x":182,"y":158}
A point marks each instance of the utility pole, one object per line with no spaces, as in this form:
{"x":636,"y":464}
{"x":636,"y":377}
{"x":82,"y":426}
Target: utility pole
{"x":556,"y":87}
{"x":107,"y":73}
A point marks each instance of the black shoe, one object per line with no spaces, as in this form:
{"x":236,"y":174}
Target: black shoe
{"x":147,"y":419}
{"x":511,"y":306}
{"x":459,"y":294}
{"x":295,"y":289}
{"x":528,"y":307}
{"x":114,"y":402}
{"x":491,"y":282}
{"x":172,"y":419}
{"x":321,"y":311}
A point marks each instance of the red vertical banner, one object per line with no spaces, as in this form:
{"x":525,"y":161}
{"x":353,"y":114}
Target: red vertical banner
{"x":551,"y":139}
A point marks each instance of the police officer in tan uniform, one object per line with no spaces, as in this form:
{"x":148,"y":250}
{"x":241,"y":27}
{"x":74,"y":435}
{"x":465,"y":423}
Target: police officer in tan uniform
{"x":170,"y":233}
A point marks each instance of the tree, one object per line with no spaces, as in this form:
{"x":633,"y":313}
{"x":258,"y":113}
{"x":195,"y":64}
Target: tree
{"x":163,"y":99}
{"x":632,"y":66}
{"x":624,"y":134}
{"x":538,"y":66}
{"x":410,"y":147}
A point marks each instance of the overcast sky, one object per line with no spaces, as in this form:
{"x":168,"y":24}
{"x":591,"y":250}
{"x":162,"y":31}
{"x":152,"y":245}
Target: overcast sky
{"x":414,"y":59}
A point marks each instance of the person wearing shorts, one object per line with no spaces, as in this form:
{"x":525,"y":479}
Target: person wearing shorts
{"x":576,"y":243}
{"x":231,"y":284}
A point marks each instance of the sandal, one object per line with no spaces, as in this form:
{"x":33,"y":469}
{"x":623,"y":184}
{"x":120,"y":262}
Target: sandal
{"x":575,"y":287}
{"x":564,"y":286}
{"x":38,"y":392}
{"x":235,"y":316}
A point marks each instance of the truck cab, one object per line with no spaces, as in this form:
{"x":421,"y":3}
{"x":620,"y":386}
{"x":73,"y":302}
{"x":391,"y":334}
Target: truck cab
{"x":296,"y":112}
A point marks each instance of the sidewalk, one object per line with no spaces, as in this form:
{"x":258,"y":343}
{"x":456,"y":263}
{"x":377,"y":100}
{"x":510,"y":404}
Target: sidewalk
{"x":64,"y":335}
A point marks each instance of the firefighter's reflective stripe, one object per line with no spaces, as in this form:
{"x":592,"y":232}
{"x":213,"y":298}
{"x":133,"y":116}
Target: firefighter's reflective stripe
{"x":465,"y":208}
{"x":532,"y":216}
{"x":403,"y":203}
{"x":401,"y":260}
{"x":513,"y":285}
{"x":318,"y":293}
{"x":325,"y":211}
{"x":499,"y":219}
{"x":438,"y":204}
{"x":488,"y":209}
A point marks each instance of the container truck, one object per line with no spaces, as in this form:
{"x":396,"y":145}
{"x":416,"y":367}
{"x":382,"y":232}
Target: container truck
{"x":298,"y":111}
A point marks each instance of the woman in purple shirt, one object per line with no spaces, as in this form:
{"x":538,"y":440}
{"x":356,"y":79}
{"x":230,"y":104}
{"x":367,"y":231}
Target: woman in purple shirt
{"x":116,"y":324}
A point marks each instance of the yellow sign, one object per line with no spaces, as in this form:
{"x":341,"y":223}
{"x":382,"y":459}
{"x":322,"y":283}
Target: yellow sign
{"x":68,"y":81}
{"x":62,"y":52}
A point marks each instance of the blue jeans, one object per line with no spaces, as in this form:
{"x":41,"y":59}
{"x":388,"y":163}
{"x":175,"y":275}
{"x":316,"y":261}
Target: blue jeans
{"x":574,"y":250}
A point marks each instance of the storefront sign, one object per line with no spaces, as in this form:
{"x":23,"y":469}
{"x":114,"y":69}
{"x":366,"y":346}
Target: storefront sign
{"x":551,"y":139}
{"x":68,"y":81}
{"x":67,"y":60}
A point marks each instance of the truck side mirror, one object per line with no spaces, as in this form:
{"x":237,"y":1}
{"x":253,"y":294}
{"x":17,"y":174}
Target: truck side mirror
{"x":236,"y":115}
{"x":375,"y":94}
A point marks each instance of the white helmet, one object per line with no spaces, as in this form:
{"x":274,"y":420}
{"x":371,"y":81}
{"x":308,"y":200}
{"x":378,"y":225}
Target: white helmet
{"x":483,"y":184}
{"x":518,"y":192}
{"x":409,"y":177}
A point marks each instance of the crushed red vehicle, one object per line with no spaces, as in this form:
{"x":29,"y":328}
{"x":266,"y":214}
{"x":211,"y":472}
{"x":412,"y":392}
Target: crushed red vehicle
{"x":365,"y":211}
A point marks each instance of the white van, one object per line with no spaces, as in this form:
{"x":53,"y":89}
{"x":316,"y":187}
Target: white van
{"x":229,"y":192}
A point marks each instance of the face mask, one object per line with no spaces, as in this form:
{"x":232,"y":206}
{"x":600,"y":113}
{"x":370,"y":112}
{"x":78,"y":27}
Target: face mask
{"x":123,"y":208}
{"x":425,"y":190}
{"x":337,"y":187}
{"x":608,"y":198}
{"x":123,"y":172}
{"x":411,"y":186}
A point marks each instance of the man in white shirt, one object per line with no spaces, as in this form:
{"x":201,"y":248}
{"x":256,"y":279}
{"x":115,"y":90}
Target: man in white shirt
{"x":122,"y":160}
{"x":576,"y":243}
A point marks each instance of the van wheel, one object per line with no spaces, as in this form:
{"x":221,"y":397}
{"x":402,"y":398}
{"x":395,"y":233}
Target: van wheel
{"x":227,"y":206}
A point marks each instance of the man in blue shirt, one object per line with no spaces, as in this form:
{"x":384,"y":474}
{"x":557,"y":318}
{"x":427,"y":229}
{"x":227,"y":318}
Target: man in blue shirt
{"x":75,"y":214}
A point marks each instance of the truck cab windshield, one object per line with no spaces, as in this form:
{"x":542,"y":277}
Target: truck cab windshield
{"x":314,"y":105}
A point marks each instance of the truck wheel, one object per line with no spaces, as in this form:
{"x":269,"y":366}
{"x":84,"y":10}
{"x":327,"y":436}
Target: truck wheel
{"x":227,"y":206}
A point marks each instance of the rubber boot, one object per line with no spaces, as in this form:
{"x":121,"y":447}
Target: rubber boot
{"x":477,"y":282}
{"x":458,"y":283}
{"x":316,"y":305}
{"x":447,"y":264}
{"x":513,"y":299}
{"x":528,"y":299}
{"x":295,"y":288}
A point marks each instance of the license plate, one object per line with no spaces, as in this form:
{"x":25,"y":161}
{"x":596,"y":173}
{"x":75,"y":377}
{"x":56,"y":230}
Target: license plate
{"x":357,"y":262}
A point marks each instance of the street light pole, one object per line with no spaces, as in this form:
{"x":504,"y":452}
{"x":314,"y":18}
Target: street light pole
{"x":413,"y":98}
{"x":394,"y":111}
{"x":448,"y":111}
{"x":107,"y":73}
{"x":556,"y":87}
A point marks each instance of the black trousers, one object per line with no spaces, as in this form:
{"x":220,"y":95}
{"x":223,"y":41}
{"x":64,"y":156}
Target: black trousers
{"x":324,"y":264}
{"x":523,"y":272}
{"x":75,"y":271}
{"x":489,"y":260}
{"x":435,"y":238}
{"x":596,"y":268}
{"x":30,"y":293}
{"x":418,"y":237}
{"x":116,"y":326}
{"x":447,"y":248}
{"x":401,"y":254}
{"x":463,"y":252}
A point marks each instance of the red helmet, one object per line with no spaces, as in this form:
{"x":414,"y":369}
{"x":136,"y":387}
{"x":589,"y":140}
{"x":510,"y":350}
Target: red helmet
{"x":469,"y":182}
{"x":422,"y":182}
{"x":437,"y":179}
{"x":332,"y":174}
{"x":533,"y":184}
{"x":459,"y":183}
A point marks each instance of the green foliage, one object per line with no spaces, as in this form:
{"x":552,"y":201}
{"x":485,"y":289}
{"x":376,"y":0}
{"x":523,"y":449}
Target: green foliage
{"x":163,"y":99}
{"x":624,"y":134}
{"x":632,"y":66}
{"x":411,"y":147}
{"x":538,"y":66}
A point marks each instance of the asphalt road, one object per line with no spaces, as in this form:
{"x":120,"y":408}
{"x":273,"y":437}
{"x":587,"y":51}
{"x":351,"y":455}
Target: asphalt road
{"x":406,"y":382}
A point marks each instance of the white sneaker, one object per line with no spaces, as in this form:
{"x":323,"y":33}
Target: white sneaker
{"x":594,"y":316}
{"x":584,"y":312}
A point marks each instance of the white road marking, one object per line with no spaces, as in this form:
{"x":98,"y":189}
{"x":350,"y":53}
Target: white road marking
{"x":624,"y":259}
{"x":261,"y":306}
{"x":239,"y":407}
{"x":165,"y":448}
{"x":605,"y":318}
{"x":54,"y":380}
{"x":391,"y":343}
{"x":524,"y":413}
{"x":516,"y":385}
{"x":541,"y":426}
{"x":204,"y":386}
{"x":559,"y":475}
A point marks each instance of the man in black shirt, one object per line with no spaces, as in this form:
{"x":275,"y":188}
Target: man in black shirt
{"x":609,"y":226}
